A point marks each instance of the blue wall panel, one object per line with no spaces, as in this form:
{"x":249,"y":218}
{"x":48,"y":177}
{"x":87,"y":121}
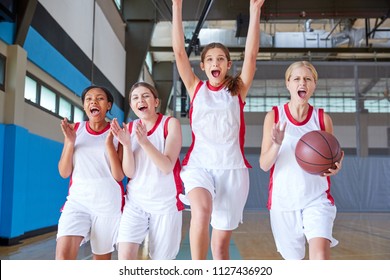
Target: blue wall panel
{"x":51,"y":61}
{"x":2,"y":128}
{"x":46,"y":190}
{"x":7,"y":31}
{"x":32,"y":192}
{"x":40,"y":52}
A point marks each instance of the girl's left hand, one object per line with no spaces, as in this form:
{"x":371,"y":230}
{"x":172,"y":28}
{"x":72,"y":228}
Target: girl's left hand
{"x":338,"y":167}
{"x":141,"y":133}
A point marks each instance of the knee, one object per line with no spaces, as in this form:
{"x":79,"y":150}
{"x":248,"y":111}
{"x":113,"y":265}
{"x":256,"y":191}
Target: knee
{"x":220,"y":249}
{"x":200,"y":217}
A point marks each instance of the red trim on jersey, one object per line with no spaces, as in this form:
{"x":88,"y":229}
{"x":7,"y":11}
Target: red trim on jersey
{"x":166,"y":127}
{"x":130,"y":127}
{"x":330,"y":197}
{"x":242,"y":131}
{"x":90,"y":131}
{"x":270,"y":187}
{"x":179,"y":185}
{"x":276,"y":111}
{"x":158,"y":121}
{"x":76,"y":126}
{"x":321,"y":118}
{"x":213,"y":88}
{"x":295,"y":122}
{"x":187,"y":157}
{"x":123,"y":194}
{"x":196,"y":92}
{"x":271,"y":176}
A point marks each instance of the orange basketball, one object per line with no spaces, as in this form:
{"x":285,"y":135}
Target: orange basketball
{"x":317,"y":151}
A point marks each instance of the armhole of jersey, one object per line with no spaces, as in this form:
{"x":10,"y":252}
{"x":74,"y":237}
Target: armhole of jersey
{"x":276,"y":119}
{"x":130,"y":127}
{"x":76,"y":126}
{"x":321,"y":119}
{"x":197,"y":90}
{"x":166,"y":127}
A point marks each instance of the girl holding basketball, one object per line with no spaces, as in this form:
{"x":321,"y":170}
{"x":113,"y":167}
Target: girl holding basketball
{"x":215,"y":171}
{"x":300,"y":203}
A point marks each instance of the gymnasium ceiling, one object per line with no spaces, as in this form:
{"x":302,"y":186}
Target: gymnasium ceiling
{"x":315,"y":30}
{"x":323,"y":30}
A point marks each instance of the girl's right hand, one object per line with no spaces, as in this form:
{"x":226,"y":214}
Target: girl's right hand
{"x":278,"y":133}
{"x":122,"y":134}
{"x":68,"y":131}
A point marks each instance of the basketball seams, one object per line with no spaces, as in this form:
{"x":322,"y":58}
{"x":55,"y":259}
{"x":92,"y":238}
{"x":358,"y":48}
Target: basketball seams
{"x":317,"y":151}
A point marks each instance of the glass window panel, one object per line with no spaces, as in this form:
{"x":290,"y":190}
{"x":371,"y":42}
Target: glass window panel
{"x":349,"y":105}
{"x":30,"y":90}
{"x":149,"y":62}
{"x":78,"y":115}
{"x":65,"y":109}
{"x":384,"y":106}
{"x":48,"y":99}
{"x":118,"y":4}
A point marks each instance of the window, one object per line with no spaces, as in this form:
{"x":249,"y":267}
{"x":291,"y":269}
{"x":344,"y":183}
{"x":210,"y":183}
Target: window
{"x":39,"y":94}
{"x":149,"y":62}
{"x":118,"y":4}
{"x":65,"y":108}
{"x":78,"y":115}
{"x":48,"y":99}
{"x":343,"y":87}
{"x":30,"y":90}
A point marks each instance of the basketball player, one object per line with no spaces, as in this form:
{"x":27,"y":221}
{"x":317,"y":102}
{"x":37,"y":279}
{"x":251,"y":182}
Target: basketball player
{"x":301,"y":206}
{"x":92,"y":157}
{"x":151,"y":147}
{"x":215,"y":171}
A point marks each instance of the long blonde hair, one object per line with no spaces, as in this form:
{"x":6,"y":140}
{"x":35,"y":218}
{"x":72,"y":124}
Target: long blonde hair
{"x":233,"y":84}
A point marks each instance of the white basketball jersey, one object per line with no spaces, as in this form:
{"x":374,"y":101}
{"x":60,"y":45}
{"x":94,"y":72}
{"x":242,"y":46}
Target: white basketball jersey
{"x":149,"y":188}
{"x":291,"y":188}
{"x":92,"y":184}
{"x":218,"y":129}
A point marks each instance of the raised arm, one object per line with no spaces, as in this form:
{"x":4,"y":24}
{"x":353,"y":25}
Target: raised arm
{"x":251,"y":46}
{"x":188,"y":77}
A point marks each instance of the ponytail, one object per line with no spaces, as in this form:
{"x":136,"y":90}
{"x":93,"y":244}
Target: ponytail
{"x":233,"y":84}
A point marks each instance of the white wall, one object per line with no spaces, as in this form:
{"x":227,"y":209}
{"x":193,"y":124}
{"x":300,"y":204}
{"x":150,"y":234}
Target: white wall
{"x":108,"y":53}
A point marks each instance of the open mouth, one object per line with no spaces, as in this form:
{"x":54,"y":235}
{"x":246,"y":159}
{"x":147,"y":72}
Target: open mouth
{"x":215,"y":73}
{"x":142,"y":108}
{"x":302,"y":93}
{"x":94,"y":111}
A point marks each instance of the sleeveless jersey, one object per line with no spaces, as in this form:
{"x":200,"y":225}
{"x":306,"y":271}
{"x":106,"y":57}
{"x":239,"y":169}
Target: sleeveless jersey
{"x":218,"y":129}
{"x":291,"y":188}
{"x":149,"y":188}
{"x":92,"y":184}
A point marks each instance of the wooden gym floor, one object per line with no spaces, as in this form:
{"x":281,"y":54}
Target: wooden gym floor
{"x":362,"y":236}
